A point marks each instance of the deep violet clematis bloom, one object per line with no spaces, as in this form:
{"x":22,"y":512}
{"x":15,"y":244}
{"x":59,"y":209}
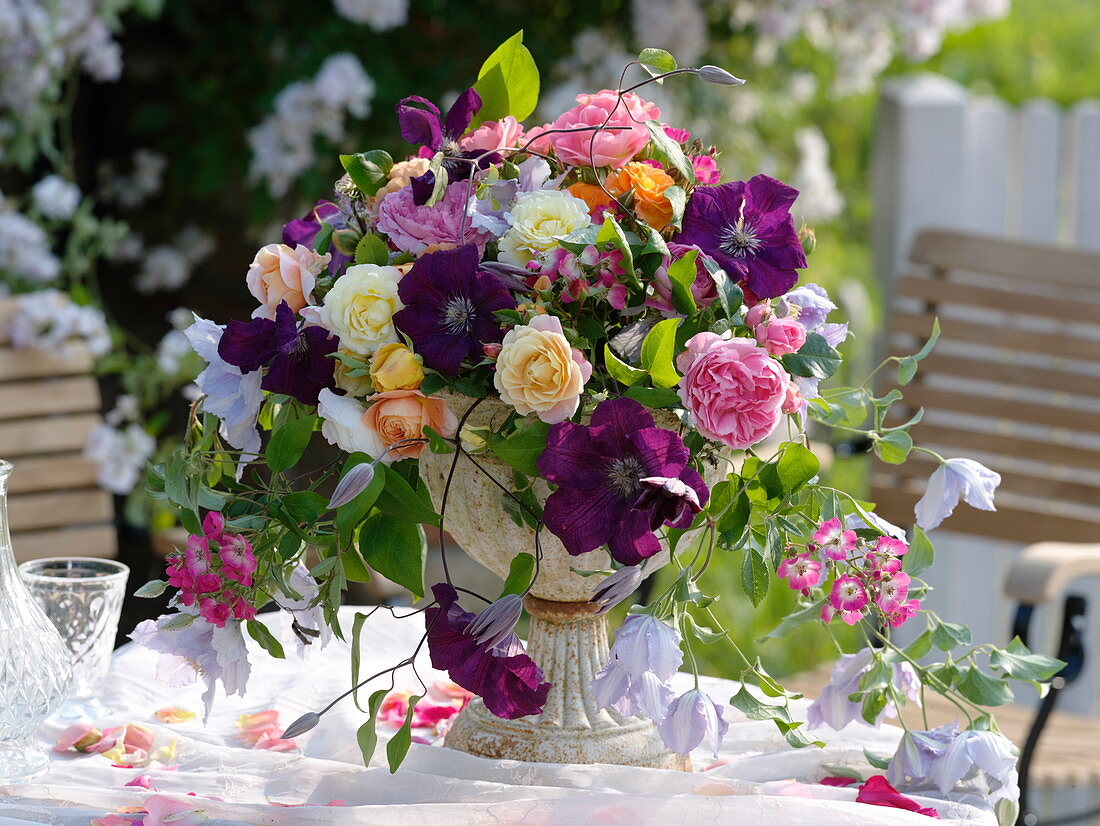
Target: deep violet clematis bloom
{"x":296,"y":359}
{"x":748,"y":229}
{"x":422,"y":124}
{"x":506,"y":679}
{"x":450,"y":306}
{"x":304,"y":231}
{"x":599,"y":469}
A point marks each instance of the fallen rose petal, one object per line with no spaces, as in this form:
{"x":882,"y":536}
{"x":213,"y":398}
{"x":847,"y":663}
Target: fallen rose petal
{"x":79,"y":736}
{"x":260,"y":719}
{"x":173,"y":715}
{"x":143,"y":781}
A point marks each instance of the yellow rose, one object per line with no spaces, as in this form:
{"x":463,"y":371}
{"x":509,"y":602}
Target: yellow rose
{"x":538,"y":372}
{"x":536,"y":220}
{"x":395,"y":367}
{"x":360,"y":306}
{"x":354,"y":385}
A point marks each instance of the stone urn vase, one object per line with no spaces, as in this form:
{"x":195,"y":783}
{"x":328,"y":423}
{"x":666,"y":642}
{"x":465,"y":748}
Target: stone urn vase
{"x":567,"y":639}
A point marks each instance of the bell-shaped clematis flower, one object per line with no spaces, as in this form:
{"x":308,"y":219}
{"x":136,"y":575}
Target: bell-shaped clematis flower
{"x":692,"y":719}
{"x":953,"y":480}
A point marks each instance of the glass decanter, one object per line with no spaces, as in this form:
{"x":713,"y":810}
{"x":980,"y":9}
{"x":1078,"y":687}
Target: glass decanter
{"x":35,"y":664}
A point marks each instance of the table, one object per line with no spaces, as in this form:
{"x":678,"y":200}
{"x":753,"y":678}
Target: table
{"x":757,"y":780}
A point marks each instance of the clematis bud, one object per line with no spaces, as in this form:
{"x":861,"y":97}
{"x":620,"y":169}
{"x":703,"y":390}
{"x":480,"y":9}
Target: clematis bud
{"x":307,"y":722}
{"x":496,"y":622}
{"x":718,"y":76}
{"x":691,"y":719}
{"x":491,"y":350}
{"x":355,"y":481}
{"x":617,"y":587}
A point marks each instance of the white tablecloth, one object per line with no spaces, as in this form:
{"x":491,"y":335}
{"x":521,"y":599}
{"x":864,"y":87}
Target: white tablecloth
{"x":758,"y":779}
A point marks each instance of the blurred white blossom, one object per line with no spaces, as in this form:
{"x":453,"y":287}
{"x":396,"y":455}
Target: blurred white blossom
{"x":132,"y":189}
{"x":678,"y":26}
{"x":168,"y":267}
{"x":121,"y":453}
{"x":380,"y":15}
{"x":283,"y":143}
{"x":25,"y":248}
{"x":172,"y":350}
{"x":818,"y":199}
{"x":55,"y":197}
{"x":50,"y":320}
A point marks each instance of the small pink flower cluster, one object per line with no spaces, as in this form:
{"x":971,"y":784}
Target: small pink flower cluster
{"x":867,"y":575}
{"x":213,"y":572}
{"x":584,"y":273}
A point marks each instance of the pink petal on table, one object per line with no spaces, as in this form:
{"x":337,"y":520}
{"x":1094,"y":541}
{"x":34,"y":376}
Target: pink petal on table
{"x":259,"y":720}
{"x":143,"y":781}
{"x":164,"y":811}
{"x":79,"y":736}
{"x":173,"y":714}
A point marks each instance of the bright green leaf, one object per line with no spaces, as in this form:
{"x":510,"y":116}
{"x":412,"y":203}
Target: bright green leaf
{"x":399,"y":744}
{"x":398,"y":499}
{"x":893,"y":448}
{"x":369,"y":171}
{"x":522,"y":449}
{"x":656,"y":61}
{"x":372,"y":250}
{"x":288,"y":443}
{"x":367,"y":736}
{"x":681,"y":273}
{"x":669,"y":152}
{"x":1018,"y":662}
{"x":658,"y":350}
{"x":980,"y":688}
{"x":921,"y":555}
{"x":620,"y":370}
{"x":508,"y":82}
{"x":754,"y":577}
{"x":259,"y":632}
{"x":520,"y":571}
{"x":395,"y":548}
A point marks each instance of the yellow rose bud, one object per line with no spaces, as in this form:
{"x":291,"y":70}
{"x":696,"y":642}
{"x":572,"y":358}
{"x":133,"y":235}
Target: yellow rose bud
{"x":395,"y":367}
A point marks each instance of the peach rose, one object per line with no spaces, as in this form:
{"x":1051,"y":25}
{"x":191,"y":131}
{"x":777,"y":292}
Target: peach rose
{"x":494,"y":135}
{"x":279,"y":273}
{"x":538,"y":372}
{"x":401,"y":174}
{"x":648,"y":184}
{"x":596,"y":198}
{"x":388,"y":419}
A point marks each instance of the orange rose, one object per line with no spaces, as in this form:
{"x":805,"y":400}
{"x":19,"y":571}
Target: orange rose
{"x":596,"y":199}
{"x":403,"y":414}
{"x":648,"y":184}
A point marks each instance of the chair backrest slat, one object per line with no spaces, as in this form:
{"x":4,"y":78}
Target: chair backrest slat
{"x":1014,"y":381}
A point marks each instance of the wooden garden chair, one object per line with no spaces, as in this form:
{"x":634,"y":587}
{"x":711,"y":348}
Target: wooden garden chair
{"x":48,"y":405}
{"x":1015,"y":384}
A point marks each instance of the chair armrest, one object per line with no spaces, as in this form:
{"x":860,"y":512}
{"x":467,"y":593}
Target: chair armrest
{"x":1044,"y":569}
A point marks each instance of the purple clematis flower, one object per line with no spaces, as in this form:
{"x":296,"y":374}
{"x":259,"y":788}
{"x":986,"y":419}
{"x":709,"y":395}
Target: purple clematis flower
{"x":507,"y":680}
{"x":296,"y":359}
{"x":422,"y":124}
{"x":304,"y":231}
{"x":449,"y":307}
{"x":599,"y":470}
{"x":748,"y":229}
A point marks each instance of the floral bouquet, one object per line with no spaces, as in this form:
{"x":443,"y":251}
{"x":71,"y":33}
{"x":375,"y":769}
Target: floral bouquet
{"x":640,"y":327}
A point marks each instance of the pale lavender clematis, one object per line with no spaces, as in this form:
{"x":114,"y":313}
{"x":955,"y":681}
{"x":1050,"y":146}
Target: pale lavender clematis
{"x":942,"y":758}
{"x":954,"y":479}
{"x":916,"y":754}
{"x":231,"y":395}
{"x":617,"y":587}
{"x":199,"y":649}
{"x":832,"y":707}
{"x":691,"y":719}
{"x":646,"y":653}
{"x":497,"y":620}
{"x":488,"y":213}
{"x":812,"y":302}
{"x":309,"y":626}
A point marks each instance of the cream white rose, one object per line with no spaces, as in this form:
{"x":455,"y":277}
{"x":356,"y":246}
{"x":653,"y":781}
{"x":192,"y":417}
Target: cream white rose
{"x":538,"y":372}
{"x":360,"y":306}
{"x":536,"y":220}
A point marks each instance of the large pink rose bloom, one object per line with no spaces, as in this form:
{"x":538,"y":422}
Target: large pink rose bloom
{"x":494,"y":135}
{"x":624,"y":137}
{"x":415,"y":229}
{"x":732,"y":388}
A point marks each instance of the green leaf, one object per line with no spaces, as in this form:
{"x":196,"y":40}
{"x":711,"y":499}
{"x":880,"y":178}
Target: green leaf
{"x":522,"y":449}
{"x":323,"y":241}
{"x":797,"y":465}
{"x":508,"y":82}
{"x":520,"y":571}
{"x":980,"y":688}
{"x":907,"y":370}
{"x":730,"y":295}
{"x":1018,"y":662}
{"x":303,"y":506}
{"x":656,"y":61}
{"x":399,"y":744}
{"x":893,"y":448}
{"x":881,"y":763}
{"x":681,"y":273}
{"x":658,"y":350}
{"x":754,"y":577}
{"x":677,"y":198}
{"x":948,"y":635}
{"x":653,"y":397}
{"x":747,"y":703}
{"x":874,"y":703}
{"x":355,"y":569}
{"x":921,"y":553}
{"x":790,"y":622}
{"x":288,"y":443}
{"x":372,"y":250}
{"x":436,"y":443}
{"x":619,"y":369}
{"x":357,"y":656}
{"x":367,"y":736}
{"x":920,"y":646}
{"x":705,"y":635}
{"x":258,"y":631}
{"x":926,"y":350}
{"x":612,"y":233}
{"x":733,"y":522}
{"x":669,"y":152}
{"x":815,"y":359}
{"x":398,"y":499}
{"x":152,"y":588}
{"x":396,"y":549}
{"x":369,"y":171}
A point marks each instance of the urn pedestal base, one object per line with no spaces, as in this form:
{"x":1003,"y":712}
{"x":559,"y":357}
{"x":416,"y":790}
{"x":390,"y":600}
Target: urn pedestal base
{"x":568,"y":640}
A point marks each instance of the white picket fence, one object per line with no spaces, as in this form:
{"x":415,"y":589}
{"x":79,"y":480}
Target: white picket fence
{"x":947,"y":158}
{"x":944,"y":157}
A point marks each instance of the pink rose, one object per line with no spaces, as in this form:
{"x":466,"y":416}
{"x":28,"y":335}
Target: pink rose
{"x":759,"y":313}
{"x":780,"y":336}
{"x":706,"y":170}
{"x":494,"y":135}
{"x":279,"y":273}
{"x":416,"y":229}
{"x":624,"y":137}
{"x":733,"y":390}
